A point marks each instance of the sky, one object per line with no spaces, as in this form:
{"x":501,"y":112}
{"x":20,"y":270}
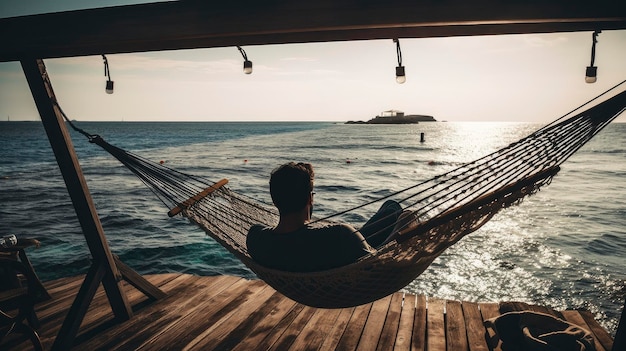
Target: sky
{"x":527,"y":78}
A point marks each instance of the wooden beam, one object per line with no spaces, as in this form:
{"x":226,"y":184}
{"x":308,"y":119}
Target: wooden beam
{"x":103,"y":268}
{"x":76,"y":313}
{"x":200,"y":24}
{"x":138,"y":281}
{"x":619,"y":343}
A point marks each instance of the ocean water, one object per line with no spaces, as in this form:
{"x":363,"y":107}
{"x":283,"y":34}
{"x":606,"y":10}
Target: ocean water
{"x":563,"y":247}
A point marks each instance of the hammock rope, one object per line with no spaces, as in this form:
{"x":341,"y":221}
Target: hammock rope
{"x":447,"y":208}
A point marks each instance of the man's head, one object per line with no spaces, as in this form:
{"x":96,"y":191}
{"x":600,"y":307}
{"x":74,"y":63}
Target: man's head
{"x":291,"y":186}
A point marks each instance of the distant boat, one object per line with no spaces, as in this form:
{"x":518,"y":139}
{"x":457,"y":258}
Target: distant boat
{"x":396,"y":117}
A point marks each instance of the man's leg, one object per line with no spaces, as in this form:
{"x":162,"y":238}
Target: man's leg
{"x":379,"y":227}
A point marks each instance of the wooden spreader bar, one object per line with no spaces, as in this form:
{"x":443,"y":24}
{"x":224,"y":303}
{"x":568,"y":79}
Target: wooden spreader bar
{"x":194,"y":199}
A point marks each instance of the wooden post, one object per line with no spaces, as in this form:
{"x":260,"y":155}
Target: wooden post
{"x":619,"y":343}
{"x":103,"y":267}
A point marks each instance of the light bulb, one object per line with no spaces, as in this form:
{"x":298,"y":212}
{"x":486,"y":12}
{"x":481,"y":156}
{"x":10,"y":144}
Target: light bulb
{"x":591,"y":74}
{"x":247,"y":67}
{"x":400,"y":76}
{"x":109,"y":87}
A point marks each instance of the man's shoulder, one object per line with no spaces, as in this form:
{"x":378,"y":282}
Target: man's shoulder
{"x":259,"y":228}
{"x":330,"y":226}
{"x":257,"y":233}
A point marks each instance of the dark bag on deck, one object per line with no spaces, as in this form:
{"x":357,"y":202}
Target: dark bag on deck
{"x":527,"y":330}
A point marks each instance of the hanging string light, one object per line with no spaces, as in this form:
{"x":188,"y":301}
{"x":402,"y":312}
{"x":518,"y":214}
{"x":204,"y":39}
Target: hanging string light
{"x":107,"y":73}
{"x":400,"y":76}
{"x":247,"y":64}
{"x":591,"y":75}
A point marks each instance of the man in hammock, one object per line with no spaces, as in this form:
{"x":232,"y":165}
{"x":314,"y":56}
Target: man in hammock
{"x":296,"y":244}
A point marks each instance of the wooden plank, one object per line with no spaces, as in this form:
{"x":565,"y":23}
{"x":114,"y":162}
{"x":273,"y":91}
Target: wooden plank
{"x":215,"y":317}
{"x":157,"y":313}
{"x":352,"y":334}
{"x":292,"y":331}
{"x":263,"y":323}
{"x":59,"y":294}
{"x":61,"y":282}
{"x":513,"y":306}
{"x":418,"y":340}
{"x":405,"y":327}
{"x":198,"y":24}
{"x":374,"y":324}
{"x":159,"y":280}
{"x":257,"y":326}
{"x":474,"y":326}
{"x":392,"y":322}
{"x":600,"y":333}
{"x":334,"y":335}
{"x":158,"y":316}
{"x":56,"y":315}
{"x":273,"y":334}
{"x":99,"y":315}
{"x":52,"y":325}
{"x":435,"y":325}
{"x":489,"y":311}
{"x":546,"y":310}
{"x":312,"y":336}
{"x":100,"y":306}
{"x":456,"y":333}
{"x":98,"y":309}
{"x":211,"y":338}
{"x":575,"y":318}
{"x":203,"y":314}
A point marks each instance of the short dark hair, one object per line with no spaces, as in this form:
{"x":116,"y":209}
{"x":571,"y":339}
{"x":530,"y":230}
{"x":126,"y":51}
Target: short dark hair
{"x":291,"y":185}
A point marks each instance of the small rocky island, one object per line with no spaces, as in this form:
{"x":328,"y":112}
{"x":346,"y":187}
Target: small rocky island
{"x":396,"y":117}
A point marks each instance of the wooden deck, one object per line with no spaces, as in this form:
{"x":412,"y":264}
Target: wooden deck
{"x":231,"y":313}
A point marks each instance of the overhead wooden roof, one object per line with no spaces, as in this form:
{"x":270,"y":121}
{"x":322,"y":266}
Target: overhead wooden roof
{"x":203,"y":24}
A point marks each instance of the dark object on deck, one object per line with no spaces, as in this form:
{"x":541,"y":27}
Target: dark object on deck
{"x":21,"y":289}
{"x":536,"y":331}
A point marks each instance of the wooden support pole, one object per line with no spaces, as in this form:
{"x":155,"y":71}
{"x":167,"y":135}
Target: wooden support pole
{"x":619,"y":343}
{"x":139,"y":282}
{"x":69,"y":329}
{"x":41,"y":89}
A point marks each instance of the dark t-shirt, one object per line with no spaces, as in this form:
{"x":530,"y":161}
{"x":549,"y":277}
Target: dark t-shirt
{"x":314,"y":247}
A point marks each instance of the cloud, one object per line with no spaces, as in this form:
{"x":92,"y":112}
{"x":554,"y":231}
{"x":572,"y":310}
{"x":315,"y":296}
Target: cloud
{"x":542,"y":41}
{"x":299,"y":59}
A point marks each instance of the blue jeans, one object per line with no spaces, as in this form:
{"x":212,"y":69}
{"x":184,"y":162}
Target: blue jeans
{"x":379,"y":227}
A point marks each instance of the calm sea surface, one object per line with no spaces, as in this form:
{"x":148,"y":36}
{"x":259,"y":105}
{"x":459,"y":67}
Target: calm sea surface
{"x":564,"y":247}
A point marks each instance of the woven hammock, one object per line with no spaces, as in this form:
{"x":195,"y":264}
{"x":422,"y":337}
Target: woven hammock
{"x":448,"y":207}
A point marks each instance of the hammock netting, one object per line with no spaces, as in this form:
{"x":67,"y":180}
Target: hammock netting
{"x":448,"y":207}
